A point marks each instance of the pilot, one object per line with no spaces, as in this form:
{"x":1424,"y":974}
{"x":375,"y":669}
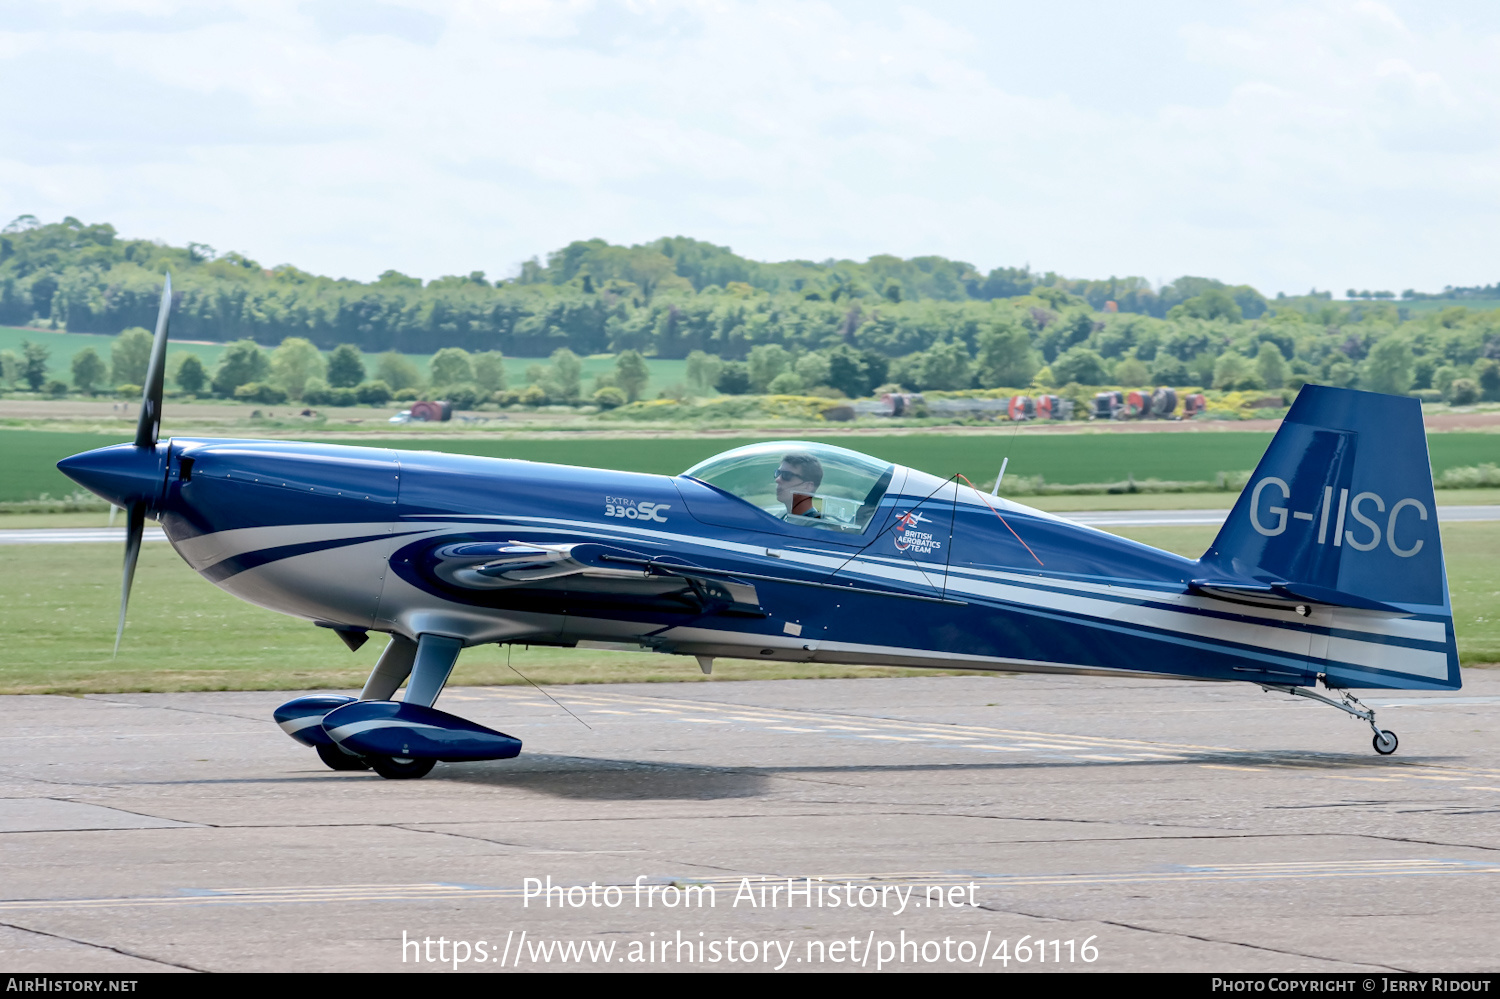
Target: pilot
{"x":797,"y":480}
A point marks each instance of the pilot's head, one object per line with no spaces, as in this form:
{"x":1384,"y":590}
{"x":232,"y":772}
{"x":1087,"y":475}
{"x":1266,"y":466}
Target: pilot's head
{"x":797,"y":480}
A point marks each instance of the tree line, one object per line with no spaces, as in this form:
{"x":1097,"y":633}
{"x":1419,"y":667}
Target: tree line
{"x":839,"y":327}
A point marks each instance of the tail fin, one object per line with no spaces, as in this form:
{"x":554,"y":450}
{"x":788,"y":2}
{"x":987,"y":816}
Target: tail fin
{"x":1340,"y":520}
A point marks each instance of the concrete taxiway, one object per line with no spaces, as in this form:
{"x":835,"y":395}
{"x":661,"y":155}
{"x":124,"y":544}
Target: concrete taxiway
{"x":1165,"y":826}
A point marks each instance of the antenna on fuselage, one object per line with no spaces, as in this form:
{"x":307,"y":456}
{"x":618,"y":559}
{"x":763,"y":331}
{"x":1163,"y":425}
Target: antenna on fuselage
{"x":1001,"y":477}
{"x":995,"y":491}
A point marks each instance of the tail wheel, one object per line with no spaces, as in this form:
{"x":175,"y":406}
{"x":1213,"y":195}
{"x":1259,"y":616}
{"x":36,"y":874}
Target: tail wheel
{"x":339,"y":759}
{"x":401,"y":767}
{"x":1385,"y":742}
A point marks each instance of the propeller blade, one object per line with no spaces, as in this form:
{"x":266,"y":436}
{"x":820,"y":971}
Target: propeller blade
{"x":150,"y":424}
{"x":146,"y":433}
{"x":135,"y":527}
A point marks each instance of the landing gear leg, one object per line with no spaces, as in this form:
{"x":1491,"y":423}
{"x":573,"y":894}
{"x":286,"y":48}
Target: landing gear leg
{"x":434,"y":659}
{"x":393,"y":668}
{"x":1385,"y":740}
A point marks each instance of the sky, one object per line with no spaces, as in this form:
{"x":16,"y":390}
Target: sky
{"x":1323,"y":143}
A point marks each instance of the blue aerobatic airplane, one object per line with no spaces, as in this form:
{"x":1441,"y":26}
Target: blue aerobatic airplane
{"x":1328,"y":572}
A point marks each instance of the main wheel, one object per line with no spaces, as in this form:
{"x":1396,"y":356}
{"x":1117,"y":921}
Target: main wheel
{"x":338,"y":759}
{"x":401,"y":767}
{"x":1385,"y":742}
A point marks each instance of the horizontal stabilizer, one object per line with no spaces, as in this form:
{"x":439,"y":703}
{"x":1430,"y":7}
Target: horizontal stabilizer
{"x":1283,"y":595}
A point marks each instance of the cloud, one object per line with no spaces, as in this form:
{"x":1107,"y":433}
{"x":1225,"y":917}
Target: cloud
{"x":1283,"y":144}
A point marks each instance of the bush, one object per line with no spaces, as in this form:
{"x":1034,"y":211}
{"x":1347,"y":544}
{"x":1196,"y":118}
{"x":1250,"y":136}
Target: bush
{"x":375,"y":393}
{"x":532,"y":395}
{"x":800,"y":408}
{"x":1079,"y":364}
{"x":130,"y":355}
{"x":342,"y":397}
{"x":133,"y":391}
{"x":1168,"y":370}
{"x":786,"y":383}
{"x":734,"y":378}
{"x":452,"y":366}
{"x":1471,"y":477}
{"x":824,"y":392}
{"x":840,"y":414}
{"x":56,"y":388}
{"x":610,"y":397}
{"x":1463,"y":392}
{"x":1487,"y":373}
{"x":317,"y":393}
{"x":397,"y":371}
{"x":242,"y":363}
{"x":192,"y":376}
{"x":261,"y":392}
{"x":346,"y":367}
{"x":406,"y":394}
{"x":465,"y":395}
{"x":631,"y":374}
{"x":505,"y":397}
{"x":89,"y":371}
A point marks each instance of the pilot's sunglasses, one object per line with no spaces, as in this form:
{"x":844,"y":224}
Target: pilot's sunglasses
{"x":784,"y":475}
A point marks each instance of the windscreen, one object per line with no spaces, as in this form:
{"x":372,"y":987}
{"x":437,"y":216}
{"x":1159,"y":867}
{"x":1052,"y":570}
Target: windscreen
{"x":813,"y":485}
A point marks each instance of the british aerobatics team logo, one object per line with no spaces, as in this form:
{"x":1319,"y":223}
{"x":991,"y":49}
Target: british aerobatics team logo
{"x":908,"y":539}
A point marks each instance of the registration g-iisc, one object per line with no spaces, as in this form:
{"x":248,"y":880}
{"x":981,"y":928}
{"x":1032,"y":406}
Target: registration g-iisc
{"x":619,"y":506}
{"x":1371,"y":531}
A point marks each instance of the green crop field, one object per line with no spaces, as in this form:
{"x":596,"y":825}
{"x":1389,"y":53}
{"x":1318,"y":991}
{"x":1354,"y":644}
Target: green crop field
{"x":28,"y":457}
{"x":62,"y":346}
{"x":58,"y":605}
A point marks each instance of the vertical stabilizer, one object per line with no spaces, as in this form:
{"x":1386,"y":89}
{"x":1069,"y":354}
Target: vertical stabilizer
{"x":1340,"y":517}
